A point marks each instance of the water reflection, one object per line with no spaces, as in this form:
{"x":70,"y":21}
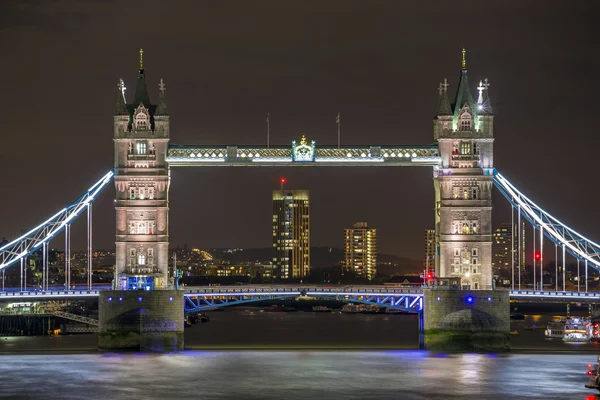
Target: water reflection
{"x":295,"y":375}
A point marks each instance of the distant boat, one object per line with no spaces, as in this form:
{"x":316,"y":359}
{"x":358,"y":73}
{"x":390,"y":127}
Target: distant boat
{"x":321,"y":309}
{"x":515,"y":332}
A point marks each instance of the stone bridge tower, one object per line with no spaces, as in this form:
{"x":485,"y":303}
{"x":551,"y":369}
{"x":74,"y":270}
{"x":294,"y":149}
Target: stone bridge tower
{"x":464,"y":132}
{"x":141,"y":137}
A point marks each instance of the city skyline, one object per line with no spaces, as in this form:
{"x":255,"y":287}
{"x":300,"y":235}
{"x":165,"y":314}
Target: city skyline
{"x":226,"y":98}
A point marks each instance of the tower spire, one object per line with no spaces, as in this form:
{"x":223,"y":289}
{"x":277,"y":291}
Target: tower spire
{"x":141,"y":91}
{"x":121,"y":103}
{"x":463,"y":94}
{"x":161,"y":107}
{"x":443,"y":106}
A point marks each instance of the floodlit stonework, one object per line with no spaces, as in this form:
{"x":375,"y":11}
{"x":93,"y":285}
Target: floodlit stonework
{"x":141,"y":138}
{"x":464,"y":132}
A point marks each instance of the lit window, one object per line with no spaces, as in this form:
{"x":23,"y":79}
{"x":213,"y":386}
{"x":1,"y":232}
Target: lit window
{"x":465,"y":228}
{"x":140,"y":147}
{"x":465,"y":148}
{"x":142,"y":259}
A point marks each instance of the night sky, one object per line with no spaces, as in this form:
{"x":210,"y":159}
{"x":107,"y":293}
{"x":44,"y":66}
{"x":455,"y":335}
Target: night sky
{"x":227,"y":63}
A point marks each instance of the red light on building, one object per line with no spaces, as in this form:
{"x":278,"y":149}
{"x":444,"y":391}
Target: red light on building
{"x":282,"y":180}
{"x":538,"y":256}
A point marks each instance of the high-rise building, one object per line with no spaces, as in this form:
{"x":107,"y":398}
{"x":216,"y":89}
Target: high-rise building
{"x":291,"y":234}
{"x":502,"y":248}
{"x":360,"y":250}
{"x":429,"y":249}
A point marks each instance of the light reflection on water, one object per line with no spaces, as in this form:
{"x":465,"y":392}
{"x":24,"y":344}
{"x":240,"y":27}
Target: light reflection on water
{"x":295,"y":375}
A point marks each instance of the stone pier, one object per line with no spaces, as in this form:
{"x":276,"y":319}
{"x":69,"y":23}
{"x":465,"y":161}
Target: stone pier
{"x":466,"y":320}
{"x":139,"y":320}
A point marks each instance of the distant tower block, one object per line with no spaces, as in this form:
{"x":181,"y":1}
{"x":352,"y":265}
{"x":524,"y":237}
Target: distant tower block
{"x":360,"y":250}
{"x":464,"y":132}
{"x":141,"y":137}
{"x":291,"y":233}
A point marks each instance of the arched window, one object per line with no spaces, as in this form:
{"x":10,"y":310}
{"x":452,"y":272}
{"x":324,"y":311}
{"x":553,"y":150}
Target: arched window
{"x":141,"y":259}
{"x":465,"y":122}
{"x":465,"y":228}
{"x":141,"y":121}
{"x":466,"y":257}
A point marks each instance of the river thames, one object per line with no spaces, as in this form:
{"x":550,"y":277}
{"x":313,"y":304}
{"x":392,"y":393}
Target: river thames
{"x":247,"y":354}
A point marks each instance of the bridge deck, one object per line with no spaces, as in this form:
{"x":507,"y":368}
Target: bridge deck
{"x":328,"y":291}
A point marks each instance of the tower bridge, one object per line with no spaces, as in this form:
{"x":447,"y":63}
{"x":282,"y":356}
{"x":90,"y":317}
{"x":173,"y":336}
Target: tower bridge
{"x":463,"y":174}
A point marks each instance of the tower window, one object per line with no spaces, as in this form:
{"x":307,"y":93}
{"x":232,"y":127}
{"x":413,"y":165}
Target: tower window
{"x":141,"y":147}
{"x":465,"y":125}
{"x":465,"y":228}
{"x":465,"y":147}
{"x":141,"y":259}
